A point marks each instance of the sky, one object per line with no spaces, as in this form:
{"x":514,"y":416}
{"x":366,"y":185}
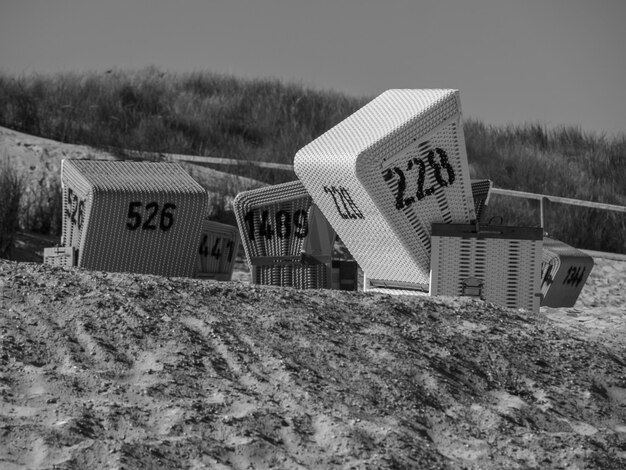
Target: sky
{"x":551,"y":62}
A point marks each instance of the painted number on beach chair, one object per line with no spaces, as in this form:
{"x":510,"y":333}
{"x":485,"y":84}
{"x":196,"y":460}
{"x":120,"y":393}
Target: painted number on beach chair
{"x":76,"y":210}
{"x":344,"y":203}
{"x":418,"y":170}
{"x":546,"y":278}
{"x":283,"y":225}
{"x":146,"y":216}
{"x":217,"y":250}
{"x":574,"y":276}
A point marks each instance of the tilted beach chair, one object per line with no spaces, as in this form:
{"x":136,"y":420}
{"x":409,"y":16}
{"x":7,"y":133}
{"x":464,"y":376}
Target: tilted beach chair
{"x":219,"y":244}
{"x":388,"y":174}
{"x":564,"y":271}
{"x":385,"y":174}
{"x":287,"y":240}
{"x":127,"y":216}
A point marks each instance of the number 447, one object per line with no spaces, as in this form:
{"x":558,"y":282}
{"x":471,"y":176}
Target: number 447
{"x":216,"y":251}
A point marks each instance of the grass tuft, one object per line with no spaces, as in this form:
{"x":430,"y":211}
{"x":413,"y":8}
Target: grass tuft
{"x":11,"y":188}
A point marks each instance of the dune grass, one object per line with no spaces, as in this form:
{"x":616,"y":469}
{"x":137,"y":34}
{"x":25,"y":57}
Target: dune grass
{"x":204,"y":113}
{"x":564,"y":162}
{"x":11,"y":188}
{"x":157,"y":111}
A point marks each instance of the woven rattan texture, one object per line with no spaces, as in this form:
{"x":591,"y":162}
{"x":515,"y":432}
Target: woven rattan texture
{"x":384,"y":174}
{"x":480,"y":193}
{"x":219,"y":244}
{"x":564,"y":271}
{"x":60,"y":256}
{"x":123,"y":216}
{"x":508,"y":269}
{"x":274,"y":224}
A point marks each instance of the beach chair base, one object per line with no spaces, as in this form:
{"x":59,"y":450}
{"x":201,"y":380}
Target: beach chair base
{"x":393,"y":287}
{"x":499,"y":264}
{"x":61,"y":256}
{"x":214,"y":276}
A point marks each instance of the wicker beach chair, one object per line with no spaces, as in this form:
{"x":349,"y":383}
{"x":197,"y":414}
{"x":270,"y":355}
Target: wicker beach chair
{"x":219,"y":244}
{"x":287,"y":240}
{"x":126,"y":216}
{"x":564,"y":271}
{"x":385,"y":174}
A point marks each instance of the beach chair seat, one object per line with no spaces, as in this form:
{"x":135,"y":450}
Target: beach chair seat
{"x":287,"y":241}
{"x":217,"y":252}
{"x":499,"y":264}
{"x":564,"y":271}
{"x":129,"y":216}
{"x":386,"y":173}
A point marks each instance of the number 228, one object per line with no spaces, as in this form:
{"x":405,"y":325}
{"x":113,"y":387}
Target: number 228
{"x":419,"y":166}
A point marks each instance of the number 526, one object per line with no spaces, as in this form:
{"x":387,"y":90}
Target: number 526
{"x":149,"y":215}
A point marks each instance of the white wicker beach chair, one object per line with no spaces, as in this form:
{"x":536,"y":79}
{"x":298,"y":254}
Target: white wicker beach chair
{"x":564,"y":271}
{"x":385,"y":174}
{"x":219,"y":244}
{"x":287,"y":240}
{"x":500,"y":264}
{"x":126,"y":216}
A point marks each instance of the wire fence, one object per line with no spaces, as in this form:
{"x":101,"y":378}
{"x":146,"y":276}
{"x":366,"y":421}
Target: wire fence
{"x":542,"y":198}
{"x":199,"y":159}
